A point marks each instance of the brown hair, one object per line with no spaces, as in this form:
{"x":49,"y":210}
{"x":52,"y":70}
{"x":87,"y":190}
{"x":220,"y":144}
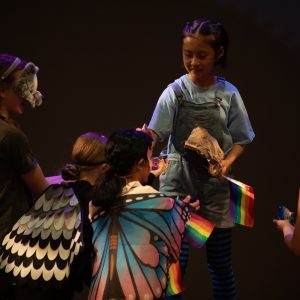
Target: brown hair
{"x":87,"y":153}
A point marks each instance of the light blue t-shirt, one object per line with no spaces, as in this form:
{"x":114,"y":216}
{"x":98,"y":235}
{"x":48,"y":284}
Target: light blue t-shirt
{"x":235,"y":122}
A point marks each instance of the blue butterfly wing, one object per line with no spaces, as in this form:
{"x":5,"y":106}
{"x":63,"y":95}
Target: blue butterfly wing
{"x":139,"y":262}
{"x":165,"y":216}
{"x":150,"y":235}
{"x":99,"y":283}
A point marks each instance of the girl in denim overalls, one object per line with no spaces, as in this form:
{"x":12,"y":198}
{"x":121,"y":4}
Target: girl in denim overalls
{"x":200,"y":98}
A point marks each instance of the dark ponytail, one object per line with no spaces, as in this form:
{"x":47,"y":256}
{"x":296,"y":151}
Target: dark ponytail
{"x":107,"y":191}
{"x":123,"y":150}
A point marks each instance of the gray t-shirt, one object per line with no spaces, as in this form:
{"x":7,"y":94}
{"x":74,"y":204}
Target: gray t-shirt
{"x":236,"y":126}
{"x":16,"y":159}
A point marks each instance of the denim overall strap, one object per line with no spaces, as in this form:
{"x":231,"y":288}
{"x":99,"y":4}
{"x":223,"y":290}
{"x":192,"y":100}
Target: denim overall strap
{"x":184,"y":176}
{"x":182,"y":103}
{"x":180,"y":95}
{"x":179,"y":100}
{"x":220,"y":90}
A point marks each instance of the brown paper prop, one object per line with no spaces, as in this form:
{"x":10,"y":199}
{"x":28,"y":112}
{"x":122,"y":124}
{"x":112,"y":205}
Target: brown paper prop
{"x":208,"y":147}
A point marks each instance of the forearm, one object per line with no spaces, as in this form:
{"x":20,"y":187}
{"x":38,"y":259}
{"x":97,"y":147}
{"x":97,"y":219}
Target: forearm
{"x":35,"y":181}
{"x":234,"y":153}
{"x":154,"y":136}
{"x":291,"y":234}
{"x":291,"y":241}
{"x":292,"y":237}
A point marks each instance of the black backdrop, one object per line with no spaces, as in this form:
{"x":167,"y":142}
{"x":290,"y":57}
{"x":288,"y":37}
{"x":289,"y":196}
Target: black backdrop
{"x":103,"y":65}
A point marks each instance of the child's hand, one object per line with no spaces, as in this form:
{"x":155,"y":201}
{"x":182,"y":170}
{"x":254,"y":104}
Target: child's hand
{"x":144,"y":129}
{"x":195,"y":205}
{"x":284,"y":226}
{"x":162,"y":167}
{"x":148,"y":131}
{"x":283,"y":222}
{"x":225,"y":164}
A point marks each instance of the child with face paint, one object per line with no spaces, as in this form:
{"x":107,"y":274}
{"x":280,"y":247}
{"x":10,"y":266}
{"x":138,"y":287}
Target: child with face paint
{"x":202,"y":99}
{"x":21,"y":178}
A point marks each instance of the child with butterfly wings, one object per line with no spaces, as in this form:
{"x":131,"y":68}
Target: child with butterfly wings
{"x":138,"y":230}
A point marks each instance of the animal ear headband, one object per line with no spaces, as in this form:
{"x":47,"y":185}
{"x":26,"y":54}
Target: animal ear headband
{"x":26,"y":86}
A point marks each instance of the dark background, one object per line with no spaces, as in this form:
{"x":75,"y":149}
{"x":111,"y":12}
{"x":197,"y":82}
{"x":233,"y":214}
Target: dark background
{"x":103,"y":65}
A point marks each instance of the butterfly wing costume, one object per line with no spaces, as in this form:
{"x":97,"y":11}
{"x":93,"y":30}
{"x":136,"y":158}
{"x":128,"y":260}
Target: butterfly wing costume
{"x":136,"y":241}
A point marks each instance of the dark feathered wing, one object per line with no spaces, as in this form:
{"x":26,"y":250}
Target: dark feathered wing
{"x":42,"y":245}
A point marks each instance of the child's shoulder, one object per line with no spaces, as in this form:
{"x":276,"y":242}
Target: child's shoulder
{"x":229,"y":86}
{"x":10,"y":132}
{"x":177,"y":86}
{"x":143,"y":189}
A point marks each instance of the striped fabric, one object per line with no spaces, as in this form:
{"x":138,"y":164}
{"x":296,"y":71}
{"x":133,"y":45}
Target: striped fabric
{"x":218,"y":249}
{"x":218,"y":252}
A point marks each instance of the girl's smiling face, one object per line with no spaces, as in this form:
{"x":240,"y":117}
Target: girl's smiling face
{"x":199,"y":57}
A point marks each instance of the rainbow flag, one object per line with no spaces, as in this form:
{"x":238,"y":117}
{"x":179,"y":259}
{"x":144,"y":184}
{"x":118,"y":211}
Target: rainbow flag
{"x":242,"y":202}
{"x":175,"y":285}
{"x":197,"y":230}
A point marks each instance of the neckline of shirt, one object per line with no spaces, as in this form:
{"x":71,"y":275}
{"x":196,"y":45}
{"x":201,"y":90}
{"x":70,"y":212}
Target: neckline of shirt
{"x":198,"y":87}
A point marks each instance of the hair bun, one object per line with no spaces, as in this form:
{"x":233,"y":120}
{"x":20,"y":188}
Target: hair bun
{"x":70,"y":172}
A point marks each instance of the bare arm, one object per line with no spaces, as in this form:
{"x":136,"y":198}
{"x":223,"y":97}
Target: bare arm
{"x":235,"y":152}
{"x":35,"y":181}
{"x":150,"y":132}
{"x":291,"y":234}
{"x":154,"y":136}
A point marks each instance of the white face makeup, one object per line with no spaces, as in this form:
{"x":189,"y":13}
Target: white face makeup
{"x":26,"y":86}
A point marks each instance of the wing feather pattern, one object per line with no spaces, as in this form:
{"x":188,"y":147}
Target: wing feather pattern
{"x":42,"y":245}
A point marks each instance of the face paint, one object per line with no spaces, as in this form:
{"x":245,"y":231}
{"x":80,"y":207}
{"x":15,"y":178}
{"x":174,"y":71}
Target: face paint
{"x":26,"y":86}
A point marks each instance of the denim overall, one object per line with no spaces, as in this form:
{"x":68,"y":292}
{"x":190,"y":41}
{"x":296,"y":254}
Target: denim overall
{"x":181,"y":177}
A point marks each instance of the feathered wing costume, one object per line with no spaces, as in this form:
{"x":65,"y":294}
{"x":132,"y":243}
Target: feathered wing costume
{"x":40,"y":249}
